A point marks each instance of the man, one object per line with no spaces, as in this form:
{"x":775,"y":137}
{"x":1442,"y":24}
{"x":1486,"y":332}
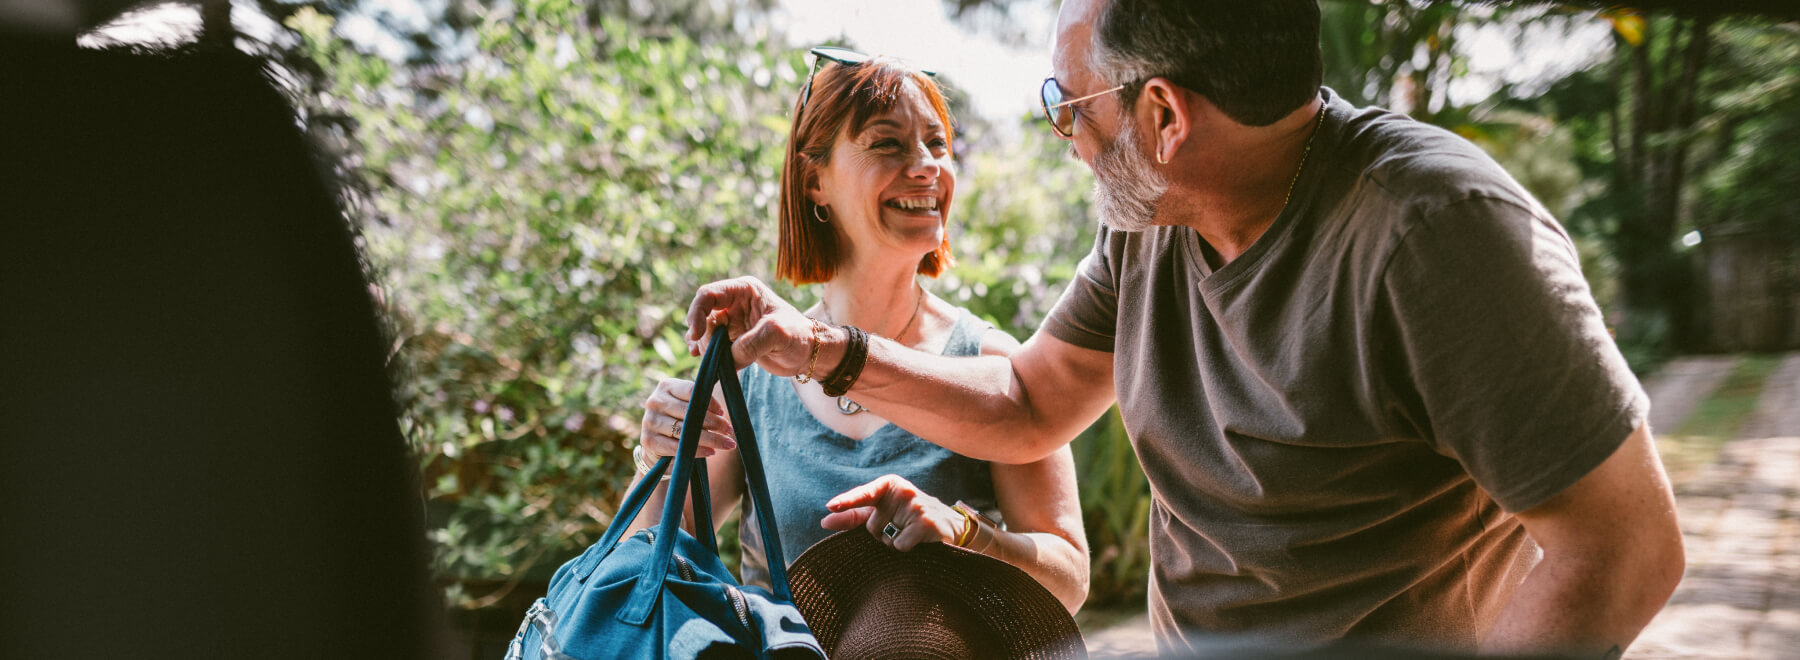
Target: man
{"x":1358,"y":362}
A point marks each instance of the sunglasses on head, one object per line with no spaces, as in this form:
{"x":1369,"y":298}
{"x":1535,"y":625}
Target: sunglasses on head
{"x":1061,"y":113}
{"x":842,"y":56}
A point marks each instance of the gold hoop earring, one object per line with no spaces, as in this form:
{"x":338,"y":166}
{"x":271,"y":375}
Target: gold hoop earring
{"x":819,"y":213}
{"x":1159,"y":158}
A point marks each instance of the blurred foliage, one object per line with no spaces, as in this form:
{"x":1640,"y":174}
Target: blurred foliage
{"x":1749,"y":137}
{"x":538,"y":212}
{"x":1652,"y":171}
{"x":1020,"y":223}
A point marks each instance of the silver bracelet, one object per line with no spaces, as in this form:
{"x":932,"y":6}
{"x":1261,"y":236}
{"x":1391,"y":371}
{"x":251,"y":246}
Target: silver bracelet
{"x":643,"y":467}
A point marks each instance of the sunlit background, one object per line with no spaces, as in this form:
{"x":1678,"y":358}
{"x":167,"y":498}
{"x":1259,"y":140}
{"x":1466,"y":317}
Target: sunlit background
{"x":541,"y":184}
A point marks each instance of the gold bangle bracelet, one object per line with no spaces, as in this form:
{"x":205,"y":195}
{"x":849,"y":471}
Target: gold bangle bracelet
{"x":814,"y":358}
{"x":969,"y":526}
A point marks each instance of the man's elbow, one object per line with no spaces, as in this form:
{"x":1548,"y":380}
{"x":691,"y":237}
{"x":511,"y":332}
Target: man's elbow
{"x":1645,"y":571}
{"x":1666,"y":566}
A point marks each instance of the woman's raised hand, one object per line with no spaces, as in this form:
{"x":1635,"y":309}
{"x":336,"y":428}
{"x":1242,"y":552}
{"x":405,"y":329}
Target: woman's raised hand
{"x":663,"y":412}
{"x":765,"y":329}
{"x":916,"y":516}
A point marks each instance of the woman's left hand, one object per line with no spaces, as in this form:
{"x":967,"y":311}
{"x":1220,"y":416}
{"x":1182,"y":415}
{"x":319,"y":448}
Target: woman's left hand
{"x":918,"y":517}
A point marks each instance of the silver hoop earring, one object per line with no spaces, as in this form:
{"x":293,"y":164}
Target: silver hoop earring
{"x":819,"y":213}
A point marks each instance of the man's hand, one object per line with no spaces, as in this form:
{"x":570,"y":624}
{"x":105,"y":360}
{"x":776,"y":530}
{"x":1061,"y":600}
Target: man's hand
{"x":765,"y":329}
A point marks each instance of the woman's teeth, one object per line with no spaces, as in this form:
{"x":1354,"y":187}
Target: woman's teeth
{"x":914,"y":203}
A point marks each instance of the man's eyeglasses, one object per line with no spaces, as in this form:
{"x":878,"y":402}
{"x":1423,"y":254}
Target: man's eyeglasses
{"x":842,"y":56}
{"x":1061,"y":113}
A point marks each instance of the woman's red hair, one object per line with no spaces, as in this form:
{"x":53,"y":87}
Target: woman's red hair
{"x":808,"y":249}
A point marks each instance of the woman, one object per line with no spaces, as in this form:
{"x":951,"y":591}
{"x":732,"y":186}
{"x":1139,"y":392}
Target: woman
{"x":866,"y":191}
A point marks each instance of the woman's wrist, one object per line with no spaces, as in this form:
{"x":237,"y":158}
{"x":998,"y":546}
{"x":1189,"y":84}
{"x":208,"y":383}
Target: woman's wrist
{"x":639,"y":460}
{"x":850,"y":348}
{"x":832,"y":345}
{"x":978,"y":532}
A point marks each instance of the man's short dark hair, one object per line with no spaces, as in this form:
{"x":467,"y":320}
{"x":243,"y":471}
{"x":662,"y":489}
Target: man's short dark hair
{"x":1257,"y":60}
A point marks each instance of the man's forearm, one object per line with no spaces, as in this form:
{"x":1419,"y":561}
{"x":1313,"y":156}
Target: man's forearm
{"x":1612,"y":556}
{"x":974,"y":406}
{"x":1588,"y":607}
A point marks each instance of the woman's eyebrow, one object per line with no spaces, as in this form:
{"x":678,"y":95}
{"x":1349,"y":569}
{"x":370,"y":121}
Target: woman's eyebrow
{"x":889,"y":123}
{"x":882,"y":123}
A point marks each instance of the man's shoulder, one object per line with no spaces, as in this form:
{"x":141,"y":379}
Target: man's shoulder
{"x":1420,"y":166}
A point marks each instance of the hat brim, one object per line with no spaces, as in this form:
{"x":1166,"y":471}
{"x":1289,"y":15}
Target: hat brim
{"x":863,"y":599}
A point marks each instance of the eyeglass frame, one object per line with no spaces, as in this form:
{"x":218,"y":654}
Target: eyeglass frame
{"x":841,"y":56}
{"x":1044,"y":103}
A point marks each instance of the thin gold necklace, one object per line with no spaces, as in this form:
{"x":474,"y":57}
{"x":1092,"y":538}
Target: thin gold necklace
{"x":1317,"y":124}
{"x":845,"y":404}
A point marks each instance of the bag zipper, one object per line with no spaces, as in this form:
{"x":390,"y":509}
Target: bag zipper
{"x":737,"y":604}
{"x":686,"y":570}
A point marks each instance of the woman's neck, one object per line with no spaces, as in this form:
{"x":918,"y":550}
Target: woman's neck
{"x":879,"y":300}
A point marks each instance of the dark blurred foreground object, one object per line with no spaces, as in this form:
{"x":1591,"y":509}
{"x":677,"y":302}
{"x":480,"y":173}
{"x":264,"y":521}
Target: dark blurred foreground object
{"x":199,"y":455}
{"x":866,"y":600}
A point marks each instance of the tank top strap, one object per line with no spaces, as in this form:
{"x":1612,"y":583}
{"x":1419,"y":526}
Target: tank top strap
{"x":965,"y":336}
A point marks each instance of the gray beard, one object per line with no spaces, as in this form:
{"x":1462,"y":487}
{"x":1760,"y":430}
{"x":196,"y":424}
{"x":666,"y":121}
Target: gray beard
{"x":1127,"y":187}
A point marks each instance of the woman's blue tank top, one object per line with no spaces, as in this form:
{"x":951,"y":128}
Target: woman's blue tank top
{"x":808,"y":463}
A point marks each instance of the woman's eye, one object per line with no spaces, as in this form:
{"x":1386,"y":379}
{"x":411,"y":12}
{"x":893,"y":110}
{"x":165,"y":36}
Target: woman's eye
{"x":886,"y":143}
{"x":938,"y":143}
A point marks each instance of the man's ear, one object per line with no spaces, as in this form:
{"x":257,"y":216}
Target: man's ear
{"x":1171,"y":115}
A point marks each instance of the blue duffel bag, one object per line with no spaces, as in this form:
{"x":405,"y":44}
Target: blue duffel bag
{"x":663,"y":593}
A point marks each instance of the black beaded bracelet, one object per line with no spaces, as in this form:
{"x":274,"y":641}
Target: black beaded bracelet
{"x":848,"y":369}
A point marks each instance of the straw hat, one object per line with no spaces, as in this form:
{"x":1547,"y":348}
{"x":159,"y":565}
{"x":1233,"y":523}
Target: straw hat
{"x":863,"y":599}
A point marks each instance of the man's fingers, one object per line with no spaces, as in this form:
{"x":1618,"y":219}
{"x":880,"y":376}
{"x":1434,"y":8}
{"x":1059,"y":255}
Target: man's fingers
{"x":735,"y":300}
{"x":707,"y":300}
{"x":751,"y":344}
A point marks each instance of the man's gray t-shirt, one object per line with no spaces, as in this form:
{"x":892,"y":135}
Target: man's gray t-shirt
{"x":1336,"y":424}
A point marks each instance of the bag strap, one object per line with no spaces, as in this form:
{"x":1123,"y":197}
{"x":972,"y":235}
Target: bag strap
{"x":702,"y":494}
{"x":758,"y":485}
{"x":640,"y":494}
{"x":716,"y":368}
{"x":649,"y":585}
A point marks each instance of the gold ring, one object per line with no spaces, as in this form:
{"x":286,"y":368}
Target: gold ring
{"x":675,"y":430}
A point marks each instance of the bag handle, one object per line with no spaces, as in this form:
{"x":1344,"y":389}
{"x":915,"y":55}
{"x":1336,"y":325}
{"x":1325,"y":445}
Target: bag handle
{"x":758,"y":485}
{"x":640,"y":494}
{"x":716,"y":368}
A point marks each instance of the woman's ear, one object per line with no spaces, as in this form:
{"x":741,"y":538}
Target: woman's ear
{"x":1171,"y":115}
{"x":815,"y":188}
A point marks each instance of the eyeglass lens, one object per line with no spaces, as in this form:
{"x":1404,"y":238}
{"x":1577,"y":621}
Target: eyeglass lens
{"x":1062,"y":118}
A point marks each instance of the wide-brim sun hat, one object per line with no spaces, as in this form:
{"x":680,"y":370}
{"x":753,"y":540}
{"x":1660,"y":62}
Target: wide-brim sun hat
{"x":865,"y":600}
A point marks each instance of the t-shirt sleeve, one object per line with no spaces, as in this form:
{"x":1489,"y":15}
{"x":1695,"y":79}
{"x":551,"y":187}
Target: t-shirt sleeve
{"x":1500,"y":354}
{"x":1088,"y":312}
